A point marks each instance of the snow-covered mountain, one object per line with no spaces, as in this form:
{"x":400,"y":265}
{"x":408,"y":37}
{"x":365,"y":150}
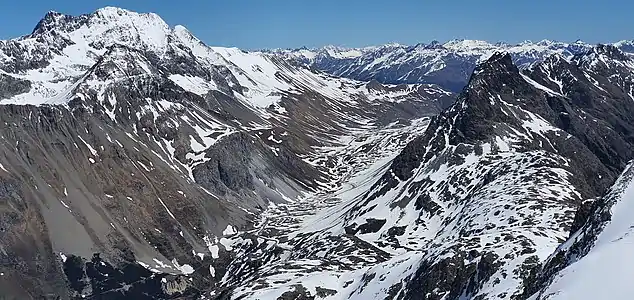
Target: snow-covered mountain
{"x":129,"y":148}
{"x":595,"y":263}
{"x":447,"y":64}
{"x":471,"y":208}
{"x":136,"y":162}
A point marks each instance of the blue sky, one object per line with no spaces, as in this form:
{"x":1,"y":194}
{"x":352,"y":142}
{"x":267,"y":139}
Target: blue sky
{"x":255,"y":24}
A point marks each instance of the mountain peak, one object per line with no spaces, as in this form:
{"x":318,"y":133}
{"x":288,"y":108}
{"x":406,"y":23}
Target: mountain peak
{"x":623,"y":43}
{"x":611,"y":51}
{"x":54,"y":19}
{"x":434,"y":45}
{"x":50,"y":20}
{"x":111,"y":13}
{"x":546,"y":43}
{"x":183,"y":33}
{"x":111,"y":10}
{"x":494,"y":73}
{"x":102,"y":28}
{"x":602,"y":51}
{"x":52,"y":14}
{"x":120,"y":14}
{"x":467,"y":45}
{"x":499,"y":61}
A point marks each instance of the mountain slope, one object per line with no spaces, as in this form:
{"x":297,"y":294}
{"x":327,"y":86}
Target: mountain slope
{"x":595,"y":262}
{"x":481,"y":198}
{"x":138,"y":162}
{"x":131,"y":149}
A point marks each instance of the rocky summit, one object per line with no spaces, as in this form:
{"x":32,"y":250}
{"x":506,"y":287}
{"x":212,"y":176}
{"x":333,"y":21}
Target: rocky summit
{"x":137,"y":162}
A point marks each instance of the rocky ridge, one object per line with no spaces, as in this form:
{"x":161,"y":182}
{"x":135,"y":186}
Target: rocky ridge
{"x":138,"y":162}
{"x":447,"y":64}
{"x":473,"y":206}
{"x":130,"y":149}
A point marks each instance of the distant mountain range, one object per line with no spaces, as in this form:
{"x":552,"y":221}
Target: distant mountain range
{"x":446,"y":64}
{"x":137,"y":162}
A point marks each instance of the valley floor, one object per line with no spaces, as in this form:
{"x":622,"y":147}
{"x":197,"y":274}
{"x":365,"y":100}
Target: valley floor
{"x":301,"y":247}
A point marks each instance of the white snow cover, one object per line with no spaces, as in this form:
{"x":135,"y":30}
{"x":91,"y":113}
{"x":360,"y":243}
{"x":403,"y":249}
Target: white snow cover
{"x":415,"y":63}
{"x":53,"y":84}
{"x":193,"y":84}
{"x":607,"y":270}
{"x":109,"y":25}
{"x":310,"y":214}
{"x":339,"y":52}
{"x":264,"y":78}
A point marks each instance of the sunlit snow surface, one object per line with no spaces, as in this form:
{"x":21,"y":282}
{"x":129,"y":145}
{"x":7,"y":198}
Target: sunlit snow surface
{"x":607,"y":270}
{"x":148,"y":32}
{"x":118,"y":48}
{"x":421,"y":62}
{"x":303,"y":229}
{"x":476,"y":200}
{"x":305,"y":241}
